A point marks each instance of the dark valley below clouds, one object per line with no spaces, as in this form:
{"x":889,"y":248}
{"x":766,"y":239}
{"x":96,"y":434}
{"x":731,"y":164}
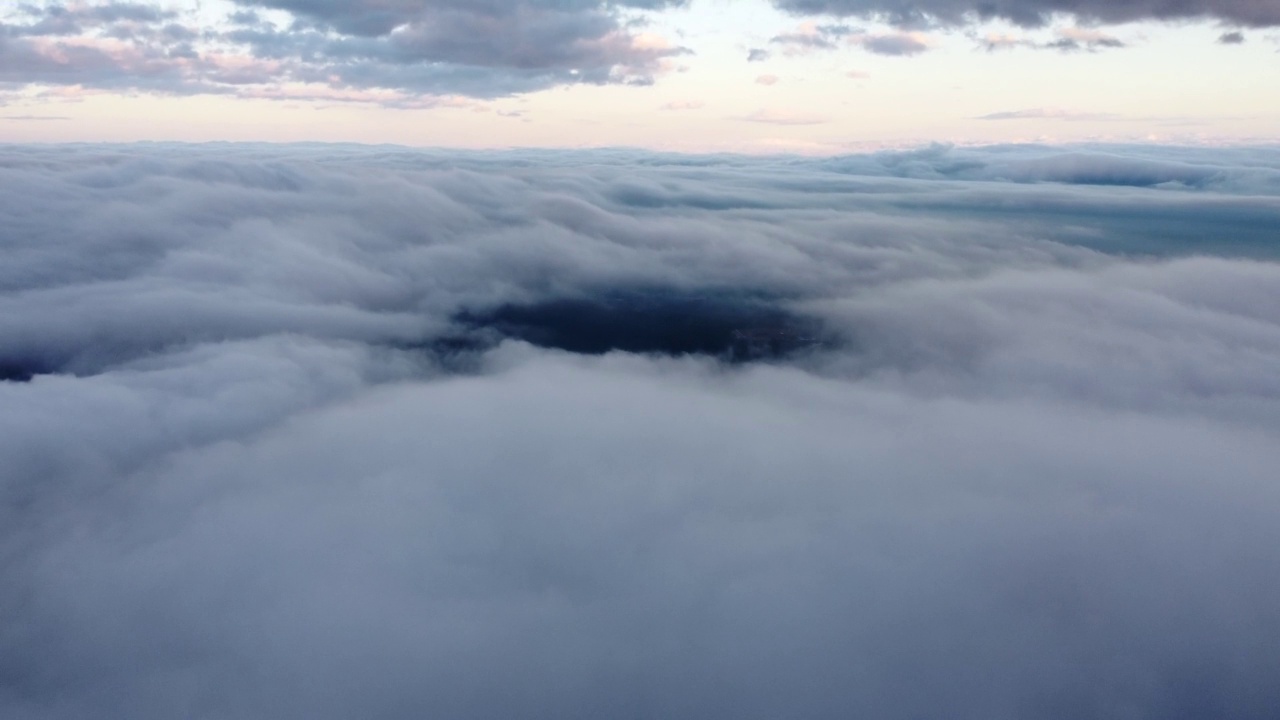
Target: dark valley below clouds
{"x":326,"y":431}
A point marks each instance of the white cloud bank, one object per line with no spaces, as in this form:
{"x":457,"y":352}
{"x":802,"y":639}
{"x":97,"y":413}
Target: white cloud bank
{"x":1028,"y":471}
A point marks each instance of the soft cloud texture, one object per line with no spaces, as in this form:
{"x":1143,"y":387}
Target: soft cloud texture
{"x":1035,"y":13}
{"x":257,"y":464}
{"x":811,"y":37}
{"x":1068,"y":40}
{"x":412,"y":48}
{"x":893,"y":43}
{"x":1049,"y":113}
{"x":776,"y":116}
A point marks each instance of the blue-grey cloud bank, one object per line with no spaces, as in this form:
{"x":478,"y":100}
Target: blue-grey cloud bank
{"x":330,"y":432}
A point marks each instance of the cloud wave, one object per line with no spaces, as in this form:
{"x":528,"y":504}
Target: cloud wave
{"x":301,"y":432}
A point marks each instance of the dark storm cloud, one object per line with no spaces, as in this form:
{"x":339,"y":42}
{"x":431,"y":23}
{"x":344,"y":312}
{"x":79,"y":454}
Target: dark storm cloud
{"x":322,"y":432}
{"x":1035,"y":13}
{"x":1234,"y":37}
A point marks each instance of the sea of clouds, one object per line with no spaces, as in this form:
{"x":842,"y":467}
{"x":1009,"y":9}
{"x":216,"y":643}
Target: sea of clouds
{"x":268,"y":449}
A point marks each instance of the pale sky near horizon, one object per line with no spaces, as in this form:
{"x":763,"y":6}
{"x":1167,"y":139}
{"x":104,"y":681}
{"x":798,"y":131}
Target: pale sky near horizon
{"x":712,"y":75}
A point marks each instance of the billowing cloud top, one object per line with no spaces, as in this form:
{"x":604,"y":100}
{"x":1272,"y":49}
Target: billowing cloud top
{"x":332,"y":432}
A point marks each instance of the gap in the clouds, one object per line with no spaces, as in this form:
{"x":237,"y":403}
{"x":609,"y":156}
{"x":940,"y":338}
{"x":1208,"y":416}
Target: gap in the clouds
{"x":732,"y":328}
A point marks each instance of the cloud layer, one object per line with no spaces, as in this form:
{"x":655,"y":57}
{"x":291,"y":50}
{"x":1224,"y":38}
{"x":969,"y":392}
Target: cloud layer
{"x":336,"y":50}
{"x":1035,"y":13}
{"x":427,"y":53}
{"x":274,"y":449}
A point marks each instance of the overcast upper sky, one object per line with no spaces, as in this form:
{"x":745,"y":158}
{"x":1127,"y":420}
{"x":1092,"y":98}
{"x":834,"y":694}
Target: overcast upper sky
{"x":819,"y":76}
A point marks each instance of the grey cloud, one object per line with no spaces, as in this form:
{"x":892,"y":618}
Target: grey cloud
{"x":412,"y":48}
{"x":1070,"y":39}
{"x":811,"y":38}
{"x":57,"y":19}
{"x":1234,"y":37}
{"x":543,"y":42}
{"x":893,"y":44}
{"x":757,"y":55}
{"x":295,"y":432}
{"x":379,"y":17}
{"x":993,"y":42}
{"x":23,"y":61}
{"x":246,"y":17}
{"x":1035,"y":13}
{"x":818,"y":37}
{"x":1067,"y":44}
{"x":62,"y":45}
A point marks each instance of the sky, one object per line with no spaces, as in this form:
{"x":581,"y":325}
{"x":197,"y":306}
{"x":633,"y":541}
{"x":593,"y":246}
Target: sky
{"x":757,"y":76}
{"x":710,"y":360}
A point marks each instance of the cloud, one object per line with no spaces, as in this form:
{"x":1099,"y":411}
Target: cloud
{"x":1074,"y":38}
{"x":810,"y":37}
{"x":757,"y":55}
{"x":683,"y":105}
{"x":35,"y":118}
{"x":412,"y":48}
{"x":1049,"y":113}
{"x":898,"y":44}
{"x":330,"y":431}
{"x":1037,"y":13}
{"x":857,"y":74}
{"x":992,"y":42}
{"x":1234,"y":37}
{"x":1069,"y":39}
{"x":775,"y":116}
{"x":767,"y":79}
